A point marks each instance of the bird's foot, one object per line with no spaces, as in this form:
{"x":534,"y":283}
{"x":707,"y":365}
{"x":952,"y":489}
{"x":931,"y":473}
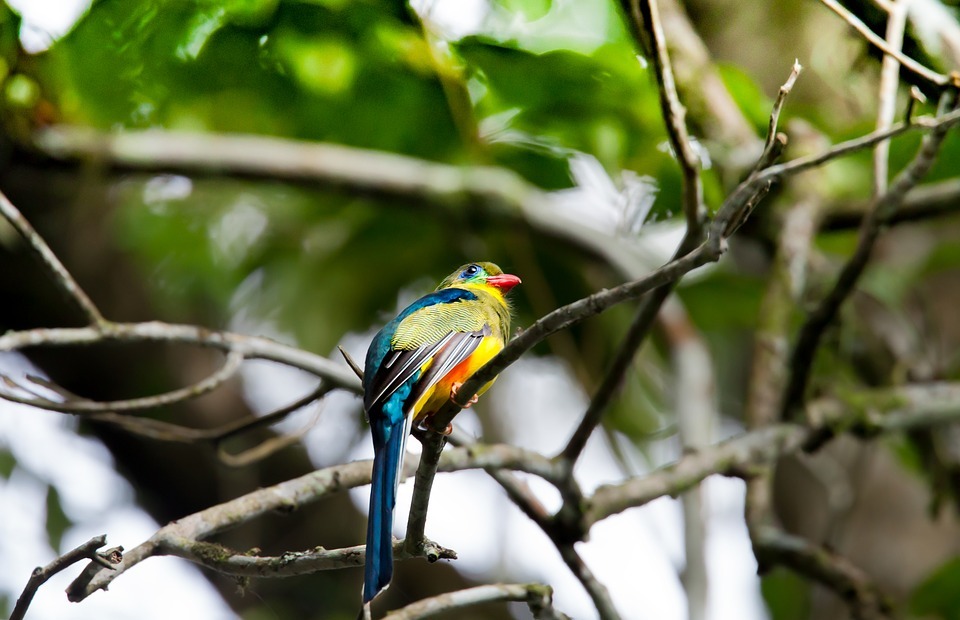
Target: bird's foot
{"x":454,"y":389}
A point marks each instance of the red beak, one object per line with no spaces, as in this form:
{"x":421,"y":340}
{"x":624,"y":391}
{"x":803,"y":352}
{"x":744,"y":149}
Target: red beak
{"x":504,"y":281}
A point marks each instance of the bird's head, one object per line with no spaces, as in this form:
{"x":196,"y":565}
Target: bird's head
{"x":480,"y":274}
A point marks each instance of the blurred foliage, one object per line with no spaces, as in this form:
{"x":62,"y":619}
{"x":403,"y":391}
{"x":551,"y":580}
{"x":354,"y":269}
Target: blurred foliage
{"x":787,"y":595}
{"x":57,"y":520}
{"x":530,"y":85}
{"x":938,"y":596}
{"x":7,"y":463}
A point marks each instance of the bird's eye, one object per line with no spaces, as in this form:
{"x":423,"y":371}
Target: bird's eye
{"x":470,"y":271}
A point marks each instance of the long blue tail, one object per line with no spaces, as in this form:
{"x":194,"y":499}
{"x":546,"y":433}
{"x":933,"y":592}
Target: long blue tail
{"x":388,"y":441}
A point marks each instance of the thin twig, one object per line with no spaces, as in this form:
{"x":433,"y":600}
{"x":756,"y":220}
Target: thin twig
{"x":646,"y":17}
{"x":537,"y":596}
{"x":877,"y":41}
{"x":40,"y":576}
{"x":79,"y":405}
{"x":745,"y":192}
{"x":775,"y":547}
{"x":597,"y":591}
{"x":887,"y":95}
{"x":865,"y":414}
{"x":264,"y":449}
{"x":178,"y":537}
{"x":647,"y":21}
{"x":810,"y":334}
{"x":60,"y":274}
{"x":785,"y":89}
{"x":251,"y":347}
{"x":922,"y":202}
{"x":166,"y":431}
{"x":352,"y":364}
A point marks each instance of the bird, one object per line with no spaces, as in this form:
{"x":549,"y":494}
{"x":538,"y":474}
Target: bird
{"x":414,"y":365}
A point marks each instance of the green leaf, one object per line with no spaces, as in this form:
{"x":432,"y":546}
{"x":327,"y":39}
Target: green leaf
{"x":57,"y":520}
{"x":7,"y":463}
{"x":786,"y":594}
{"x":938,"y":596}
{"x":746,"y":92}
{"x":359,"y":73}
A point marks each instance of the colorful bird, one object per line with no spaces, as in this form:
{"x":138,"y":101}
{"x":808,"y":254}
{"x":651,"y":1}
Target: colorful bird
{"x":414,"y":365}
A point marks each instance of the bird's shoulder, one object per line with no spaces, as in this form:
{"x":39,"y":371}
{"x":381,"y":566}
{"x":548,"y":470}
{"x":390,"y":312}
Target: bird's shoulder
{"x":435,"y":315}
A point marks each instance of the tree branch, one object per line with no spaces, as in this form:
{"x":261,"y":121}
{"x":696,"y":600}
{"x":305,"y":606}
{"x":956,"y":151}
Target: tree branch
{"x":179,"y":537}
{"x":61,"y":276}
{"x":538,"y":597}
{"x":597,"y":591}
{"x":250,"y":347}
{"x":922,"y":202}
{"x":865,"y":414}
{"x":79,"y":405}
{"x":833,"y":571}
{"x":877,"y":41}
{"x":40,"y":576}
{"x":887,"y":96}
{"x":885,"y":206}
{"x":648,"y":29}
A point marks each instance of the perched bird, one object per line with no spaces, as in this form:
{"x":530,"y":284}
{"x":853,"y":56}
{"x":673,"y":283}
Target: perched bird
{"x":414,"y":365}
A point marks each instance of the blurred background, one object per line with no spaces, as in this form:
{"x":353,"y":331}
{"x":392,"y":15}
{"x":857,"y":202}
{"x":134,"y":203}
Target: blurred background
{"x":556,"y":92}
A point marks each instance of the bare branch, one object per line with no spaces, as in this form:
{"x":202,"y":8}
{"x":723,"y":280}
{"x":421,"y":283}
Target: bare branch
{"x":537,"y":596}
{"x":887,"y":97}
{"x":877,"y":41}
{"x":290,"y":564}
{"x":40,"y":576}
{"x":774,"y":546}
{"x":647,"y":26}
{"x":884,"y":207}
{"x":597,"y":591}
{"x":250,"y":347}
{"x":178,"y":537}
{"x":352,"y":364}
{"x":165,"y":431}
{"x":732,"y":457}
{"x":79,"y":405}
{"x":60,"y":274}
{"x":770,"y":144}
{"x":694,"y":401}
{"x":865,"y":414}
{"x":262,"y":450}
{"x":921,"y":202}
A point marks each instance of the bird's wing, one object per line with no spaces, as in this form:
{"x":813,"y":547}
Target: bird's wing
{"x":446,"y":331}
{"x":458,"y":349}
{"x":398,"y":367}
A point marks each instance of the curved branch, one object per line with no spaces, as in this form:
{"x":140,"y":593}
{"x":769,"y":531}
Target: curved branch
{"x":78,"y":405}
{"x":250,"y":347}
{"x":41,"y":575}
{"x":825,"y":566}
{"x":178,"y":537}
{"x":61,"y":276}
{"x":537,"y":596}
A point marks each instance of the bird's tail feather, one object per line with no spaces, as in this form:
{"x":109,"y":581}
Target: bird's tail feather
{"x":378,"y":569}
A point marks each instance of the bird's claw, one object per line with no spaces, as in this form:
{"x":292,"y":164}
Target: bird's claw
{"x":454,"y":389}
